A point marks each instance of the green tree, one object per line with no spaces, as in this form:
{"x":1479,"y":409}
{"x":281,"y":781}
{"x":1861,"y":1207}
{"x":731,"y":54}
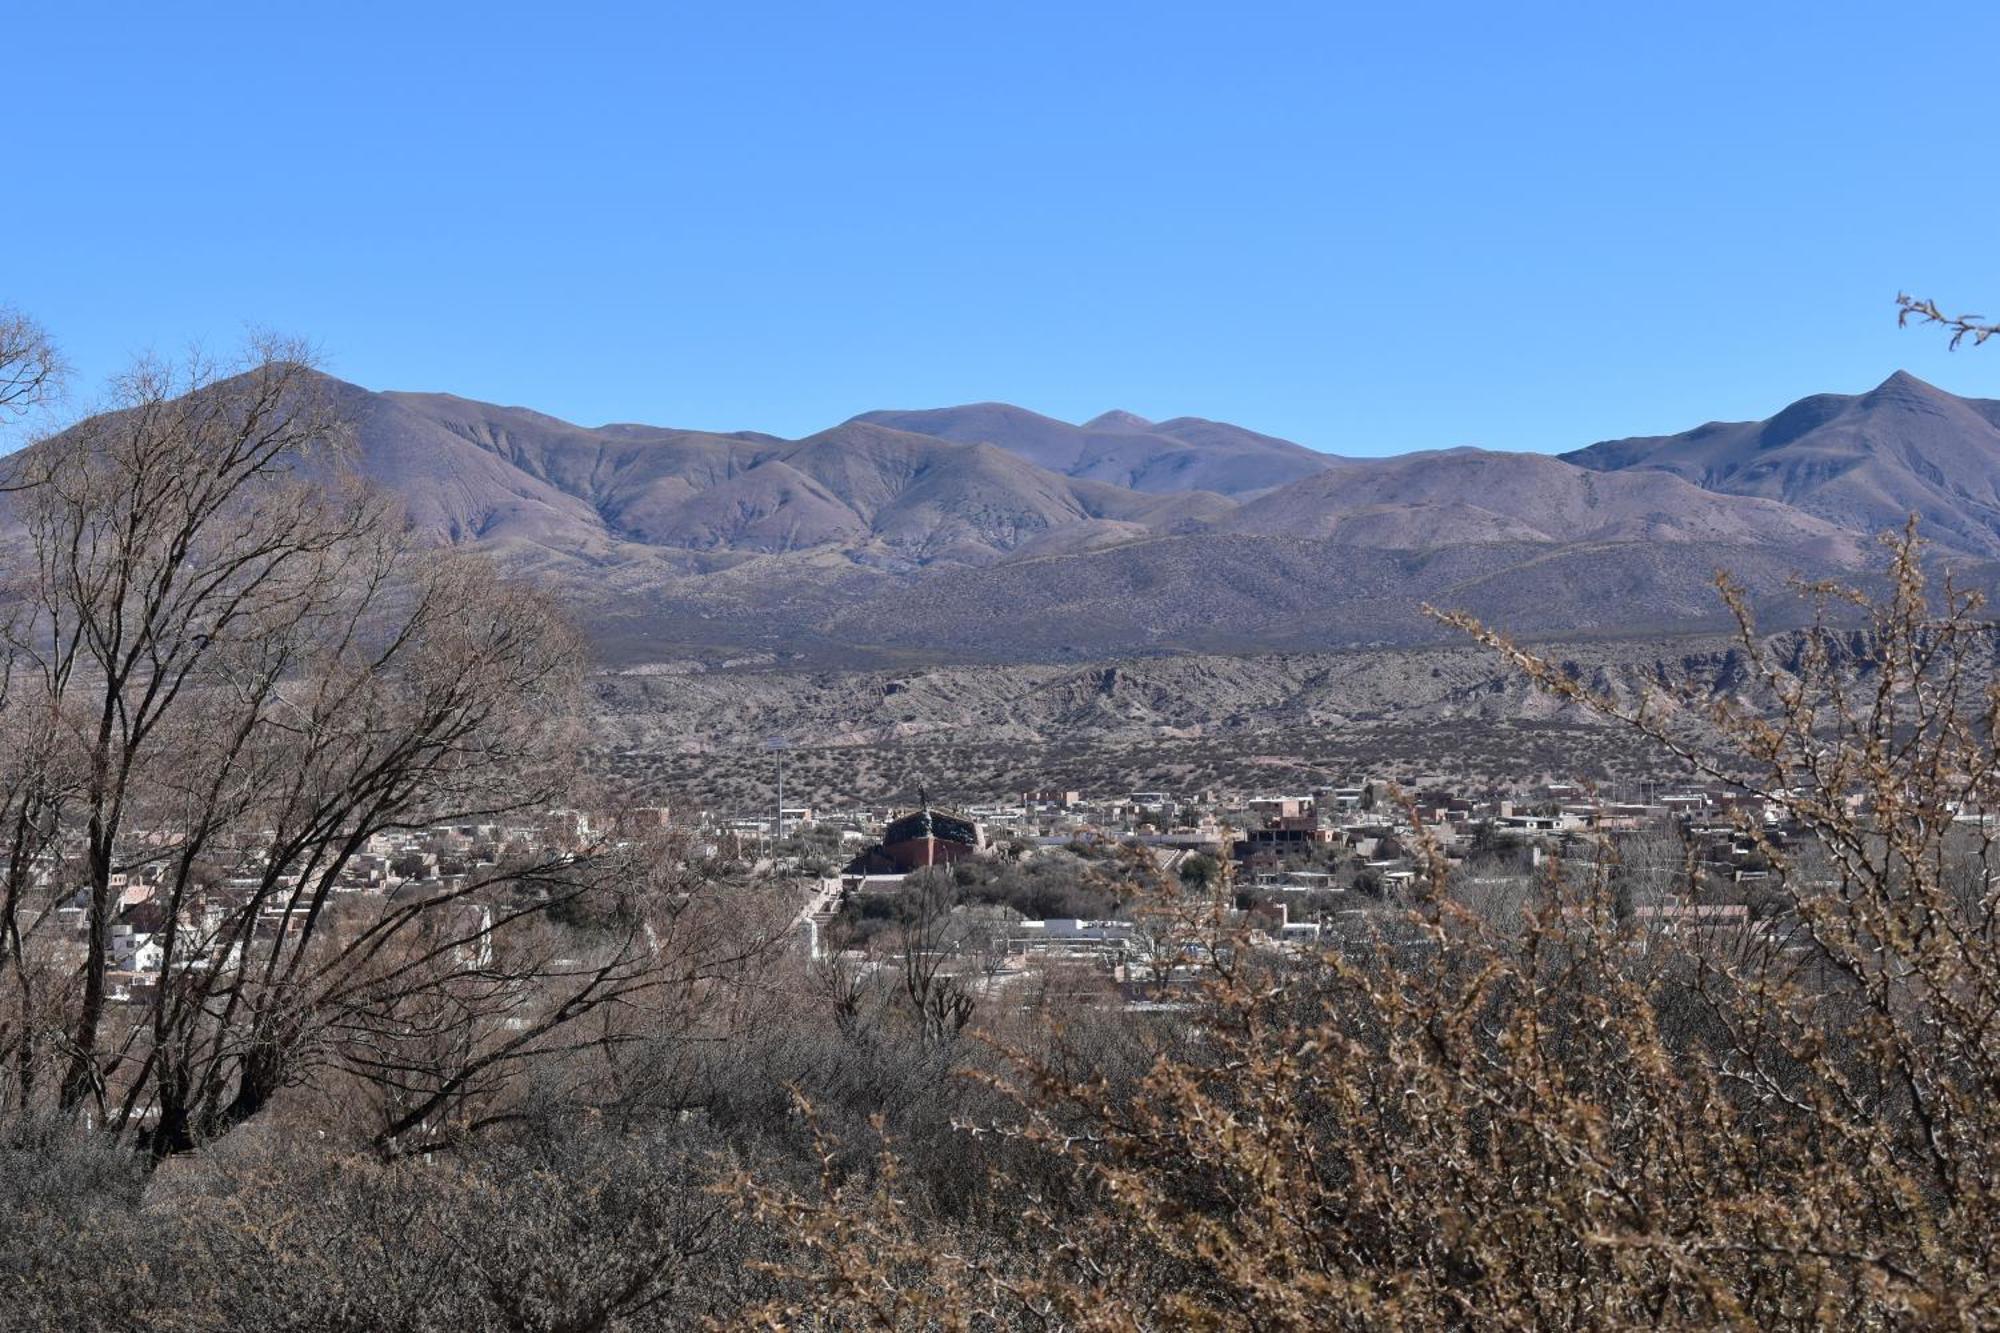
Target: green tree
{"x":1201,"y":871}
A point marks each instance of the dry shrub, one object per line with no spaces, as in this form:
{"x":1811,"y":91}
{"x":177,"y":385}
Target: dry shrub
{"x":1574,"y":1119}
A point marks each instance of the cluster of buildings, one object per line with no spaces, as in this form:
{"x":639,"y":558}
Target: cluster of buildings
{"x":1298,"y":864}
{"x":234,"y":904}
{"x":1304,"y":866}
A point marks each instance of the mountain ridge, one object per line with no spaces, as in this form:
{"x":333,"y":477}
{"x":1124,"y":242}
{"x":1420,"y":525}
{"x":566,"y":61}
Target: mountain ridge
{"x":1863,"y":461}
{"x":1186,"y":453}
{"x":1006,"y":536}
{"x":1024,"y":537}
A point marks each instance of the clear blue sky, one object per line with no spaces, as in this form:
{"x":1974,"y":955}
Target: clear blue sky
{"x":1366,"y":228}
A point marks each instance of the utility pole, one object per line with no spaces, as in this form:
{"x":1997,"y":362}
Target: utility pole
{"x":777,"y":745}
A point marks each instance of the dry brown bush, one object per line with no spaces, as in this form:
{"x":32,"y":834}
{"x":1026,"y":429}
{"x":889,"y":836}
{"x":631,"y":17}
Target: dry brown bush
{"x":1573,"y":1122}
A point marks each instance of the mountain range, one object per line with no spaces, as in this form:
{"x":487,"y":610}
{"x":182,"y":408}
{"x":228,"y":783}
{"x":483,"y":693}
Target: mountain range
{"x":1864,"y":462}
{"x":989,"y":532}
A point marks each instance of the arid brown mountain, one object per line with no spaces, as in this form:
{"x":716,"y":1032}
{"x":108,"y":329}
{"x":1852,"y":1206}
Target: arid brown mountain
{"x":1226,"y":592}
{"x":876,"y":493}
{"x":1864,"y":461}
{"x":988,"y":533}
{"x":1185,"y":454}
{"x":1458,"y":496}
{"x":462,"y":489}
{"x":621,"y":482}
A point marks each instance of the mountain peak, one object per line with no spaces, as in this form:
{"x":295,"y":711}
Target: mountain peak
{"x":1117,"y":420}
{"x":1904,"y":384}
{"x":1865,"y":462}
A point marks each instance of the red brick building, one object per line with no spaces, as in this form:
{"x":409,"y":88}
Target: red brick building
{"x":926,"y":838}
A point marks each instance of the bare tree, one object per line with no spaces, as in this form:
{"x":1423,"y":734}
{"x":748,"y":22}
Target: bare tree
{"x":1961,"y":327}
{"x":30,"y":366}
{"x":233,"y":675}
{"x":930,"y":950}
{"x":445,"y":1028}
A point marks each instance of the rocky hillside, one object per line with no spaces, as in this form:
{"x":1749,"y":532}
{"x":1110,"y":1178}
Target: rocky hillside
{"x":1187,"y":696}
{"x":1865,"y":461}
{"x":1184,"y":723}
